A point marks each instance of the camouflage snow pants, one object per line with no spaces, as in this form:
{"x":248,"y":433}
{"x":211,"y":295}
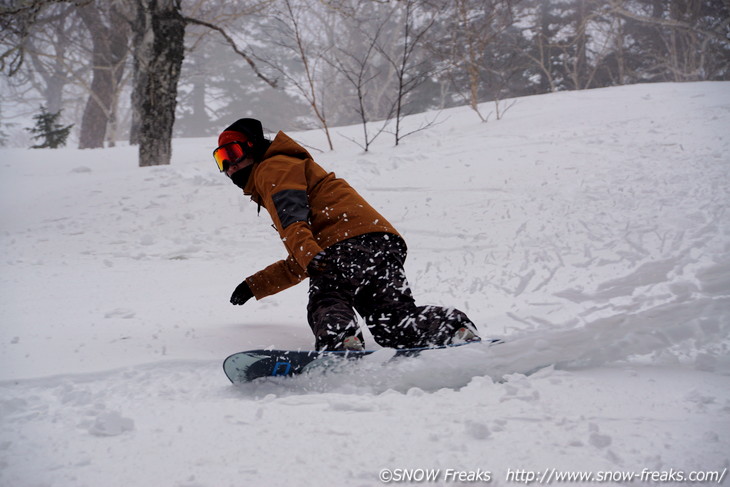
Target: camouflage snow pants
{"x":365,"y":275}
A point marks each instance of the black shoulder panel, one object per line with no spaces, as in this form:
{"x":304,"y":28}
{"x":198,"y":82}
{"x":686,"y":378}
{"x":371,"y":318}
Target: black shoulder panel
{"x":291,"y":205}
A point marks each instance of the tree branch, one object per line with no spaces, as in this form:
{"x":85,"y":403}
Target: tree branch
{"x":232,"y":43}
{"x":676,"y":24}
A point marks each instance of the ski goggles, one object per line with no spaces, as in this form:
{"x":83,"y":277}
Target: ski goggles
{"x":229,"y":154}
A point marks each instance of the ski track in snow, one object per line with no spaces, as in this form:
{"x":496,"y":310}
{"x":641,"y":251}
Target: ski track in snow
{"x":589,"y":229}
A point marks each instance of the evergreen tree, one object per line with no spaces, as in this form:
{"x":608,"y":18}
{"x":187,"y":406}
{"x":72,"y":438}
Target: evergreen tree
{"x":47,"y":129}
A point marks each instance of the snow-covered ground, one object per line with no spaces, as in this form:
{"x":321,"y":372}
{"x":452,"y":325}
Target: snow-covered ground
{"x":591,"y":230}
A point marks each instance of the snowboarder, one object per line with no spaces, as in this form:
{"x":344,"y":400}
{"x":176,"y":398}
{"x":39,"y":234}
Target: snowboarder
{"x":351,"y":254}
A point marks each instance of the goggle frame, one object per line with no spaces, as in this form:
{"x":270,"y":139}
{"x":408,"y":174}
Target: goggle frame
{"x":225,"y":155}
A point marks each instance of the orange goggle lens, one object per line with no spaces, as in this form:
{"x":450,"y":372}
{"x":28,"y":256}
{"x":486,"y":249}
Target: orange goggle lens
{"x":228,"y":154}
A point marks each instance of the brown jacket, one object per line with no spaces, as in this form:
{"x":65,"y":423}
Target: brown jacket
{"x":311,"y":209}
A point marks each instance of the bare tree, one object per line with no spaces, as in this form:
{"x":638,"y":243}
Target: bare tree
{"x":159,"y":28}
{"x":297,"y":38}
{"x":590,"y":43}
{"x":407,"y":57}
{"x":469,"y":54}
{"x":357,"y":68}
{"x":542,"y":49}
{"x":232,"y":43}
{"x":39,"y":48}
{"x":159,"y":50}
{"x":110,"y":41}
{"x":17,"y":18}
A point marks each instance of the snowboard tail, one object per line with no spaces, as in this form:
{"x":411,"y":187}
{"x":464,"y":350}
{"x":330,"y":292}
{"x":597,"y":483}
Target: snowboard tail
{"x":253,"y":364}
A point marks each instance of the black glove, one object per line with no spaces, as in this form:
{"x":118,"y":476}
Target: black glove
{"x":242,"y":294}
{"x":318,"y":265}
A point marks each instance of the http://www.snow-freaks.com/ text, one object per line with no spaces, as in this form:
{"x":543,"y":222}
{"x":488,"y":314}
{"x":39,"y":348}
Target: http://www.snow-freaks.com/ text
{"x":549,"y":476}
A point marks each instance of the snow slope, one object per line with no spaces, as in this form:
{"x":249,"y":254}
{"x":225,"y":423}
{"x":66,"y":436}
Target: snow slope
{"x":589,"y":229}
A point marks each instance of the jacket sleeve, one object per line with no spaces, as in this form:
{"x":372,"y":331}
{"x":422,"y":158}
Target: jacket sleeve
{"x":283,"y":187}
{"x":276,"y":277}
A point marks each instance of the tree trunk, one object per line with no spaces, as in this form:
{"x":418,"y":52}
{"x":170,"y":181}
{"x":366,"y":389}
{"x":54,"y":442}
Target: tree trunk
{"x":159,"y":55}
{"x":109,"y":52}
{"x":580,"y":67}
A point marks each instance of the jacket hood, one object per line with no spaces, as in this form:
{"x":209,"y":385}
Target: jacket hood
{"x":281,"y":145}
{"x":285,"y":145}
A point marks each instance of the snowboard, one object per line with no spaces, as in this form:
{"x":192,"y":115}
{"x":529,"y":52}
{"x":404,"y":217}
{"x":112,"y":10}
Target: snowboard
{"x":247,"y":366}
